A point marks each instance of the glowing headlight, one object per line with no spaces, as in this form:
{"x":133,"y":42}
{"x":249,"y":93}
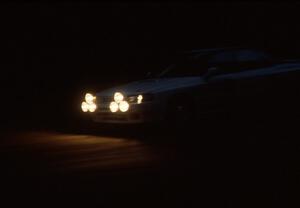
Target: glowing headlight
{"x":89,"y":104}
{"x":114,"y":107}
{"x":89,"y":98}
{"x":124,"y":106}
{"x":92,"y":107}
{"x":84,"y":106}
{"x":118,"y":97}
{"x":139,"y":99}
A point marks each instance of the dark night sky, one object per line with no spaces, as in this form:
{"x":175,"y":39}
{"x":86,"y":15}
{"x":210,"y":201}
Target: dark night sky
{"x":57,"y":51}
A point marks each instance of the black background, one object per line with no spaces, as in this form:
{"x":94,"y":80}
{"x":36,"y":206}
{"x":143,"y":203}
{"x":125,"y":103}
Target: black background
{"x":53,"y":53}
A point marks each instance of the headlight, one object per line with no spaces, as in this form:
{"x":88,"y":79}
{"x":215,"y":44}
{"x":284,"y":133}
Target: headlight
{"x":114,"y":107}
{"x":135,"y":99}
{"x":89,"y":104}
{"x":84,"y":106}
{"x":118,"y":97}
{"x":92,"y":107}
{"x":124,"y":106}
{"x":119,"y":103}
{"x":89,"y":98}
{"x":138,"y":99}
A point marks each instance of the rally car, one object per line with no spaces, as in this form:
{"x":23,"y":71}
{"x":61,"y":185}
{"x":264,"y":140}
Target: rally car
{"x":204,"y":82}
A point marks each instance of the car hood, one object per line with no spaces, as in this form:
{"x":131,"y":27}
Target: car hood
{"x":153,"y":86}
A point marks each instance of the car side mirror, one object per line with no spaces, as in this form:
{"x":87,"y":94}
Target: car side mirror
{"x":210,"y":73}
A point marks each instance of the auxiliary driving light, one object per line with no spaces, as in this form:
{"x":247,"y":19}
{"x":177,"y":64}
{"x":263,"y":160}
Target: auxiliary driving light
{"x":124,"y":106}
{"x":118,"y":97}
{"x":114,"y":107}
{"x":92,"y":107}
{"x":89,"y":104}
{"x":89,"y":98}
{"x":84,"y":106}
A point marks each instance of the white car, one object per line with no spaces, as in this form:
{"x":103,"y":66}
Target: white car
{"x":203,"y":82}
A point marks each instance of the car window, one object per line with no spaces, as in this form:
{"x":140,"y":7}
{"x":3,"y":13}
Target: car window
{"x":192,"y":65}
{"x":252,"y":60}
{"x":230,"y":61}
{"x":240,"y":60}
{"x":222,"y":58}
{"x":251,"y":56}
{"x":225,"y":62}
{"x":185,"y":68}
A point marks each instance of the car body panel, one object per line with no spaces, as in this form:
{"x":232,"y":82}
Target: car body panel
{"x":251,"y":88}
{"x":153,"y":86}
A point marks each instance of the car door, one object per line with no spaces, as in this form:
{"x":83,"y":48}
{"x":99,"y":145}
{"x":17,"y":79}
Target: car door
{"x":241,"y":87}
{"x":218,"y":94}
{"x":253,"y":83}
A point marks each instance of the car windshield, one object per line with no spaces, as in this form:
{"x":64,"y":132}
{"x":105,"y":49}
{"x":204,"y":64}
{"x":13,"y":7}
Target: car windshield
{"x":197,"y":64}
{"x":187,"y":66}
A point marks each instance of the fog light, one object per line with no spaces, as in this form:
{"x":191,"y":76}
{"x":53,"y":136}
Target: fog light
{"x":124,"y":106}
{"x":84,"y":106}
{"x":114,"y":107}
{"x":92,"y":107}
{"x":118,"y":97}
{"x":89,"y":98}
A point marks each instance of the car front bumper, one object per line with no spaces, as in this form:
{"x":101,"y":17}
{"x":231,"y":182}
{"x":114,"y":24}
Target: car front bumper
{"x":138,"y":113}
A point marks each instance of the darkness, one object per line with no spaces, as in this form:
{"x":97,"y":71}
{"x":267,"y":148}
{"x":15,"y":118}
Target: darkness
{"x":53,"y":53}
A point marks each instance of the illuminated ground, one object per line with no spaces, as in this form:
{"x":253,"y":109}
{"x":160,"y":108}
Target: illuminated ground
{"x":246,"y":168}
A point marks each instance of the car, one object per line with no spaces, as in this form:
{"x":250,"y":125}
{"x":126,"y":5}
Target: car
{"x":230,"y":81}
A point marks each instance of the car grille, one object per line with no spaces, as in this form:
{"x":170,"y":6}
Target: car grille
{"x":104,"y":99}
{"x":111,"y":116}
